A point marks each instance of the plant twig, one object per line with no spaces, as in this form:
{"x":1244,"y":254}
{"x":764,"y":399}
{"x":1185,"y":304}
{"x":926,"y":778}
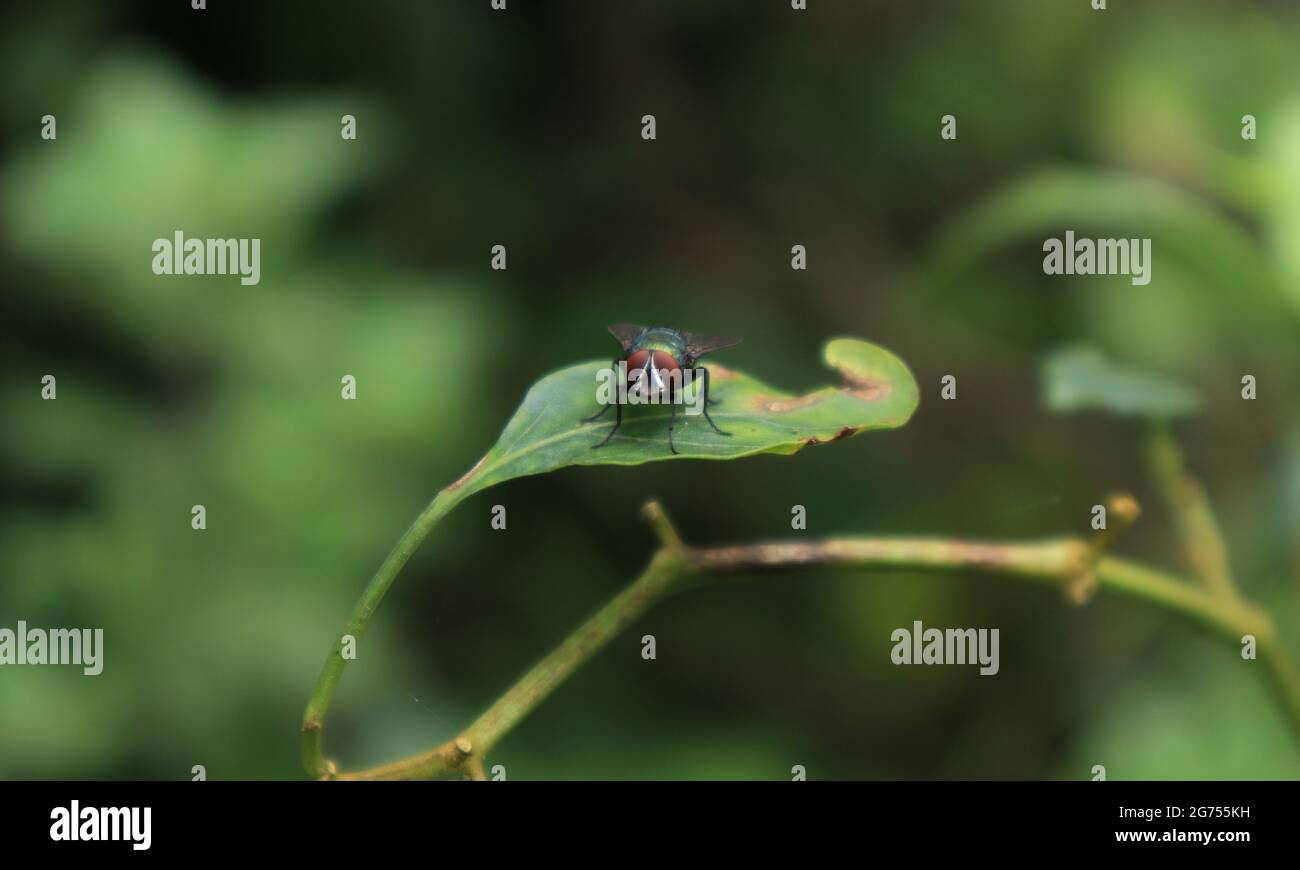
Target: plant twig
{"x":676,"y":566}
{"x":314,"y":718}
{"x":1184,"y":496}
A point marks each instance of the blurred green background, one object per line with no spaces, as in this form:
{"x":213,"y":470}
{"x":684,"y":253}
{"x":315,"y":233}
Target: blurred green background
{"x":775,"y":128}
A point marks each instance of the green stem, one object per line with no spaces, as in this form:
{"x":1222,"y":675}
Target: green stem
{"x":664,"y":575}
{"x":1227,"y":618}
{"x":1283,"y":675}
{"x":1184,"y":496}
{"x":1064,"y":562}
{"x":318,"y":704}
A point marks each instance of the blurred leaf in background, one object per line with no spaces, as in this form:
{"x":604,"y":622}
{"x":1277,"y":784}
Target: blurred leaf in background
{"x":1078,"y":378}
{"x":183,"y":391}
{"x":521,"y":130}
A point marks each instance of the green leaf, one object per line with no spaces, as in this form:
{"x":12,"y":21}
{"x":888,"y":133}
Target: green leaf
{"x":1104,"y":203}
{"x":1210,"y":278}
{"x":547,"y":432}
{"x":1080,"y":378}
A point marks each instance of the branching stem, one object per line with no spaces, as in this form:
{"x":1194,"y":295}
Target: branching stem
{"x":1076,"y":565}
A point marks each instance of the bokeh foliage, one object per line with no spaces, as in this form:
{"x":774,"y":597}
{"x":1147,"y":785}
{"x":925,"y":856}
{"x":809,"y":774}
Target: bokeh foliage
{"x":774,"y":130}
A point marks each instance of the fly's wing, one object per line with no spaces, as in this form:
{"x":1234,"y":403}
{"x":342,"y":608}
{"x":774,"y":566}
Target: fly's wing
{"x":697,"y":344}
{"x":626,"y":333}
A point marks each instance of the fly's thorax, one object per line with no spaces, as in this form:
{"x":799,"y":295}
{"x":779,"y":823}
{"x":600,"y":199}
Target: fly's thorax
{"x":662,"y":338}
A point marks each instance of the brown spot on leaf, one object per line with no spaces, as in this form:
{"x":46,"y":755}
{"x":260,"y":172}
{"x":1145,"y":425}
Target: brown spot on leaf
{"x":782,"y":406}
{"x":863,"y":391}
{"x":464,"y":478}
{"x":720,"y":373}
{"x":862,"y":388}
{"x":843,"y":433}
{"x":872,"y":391}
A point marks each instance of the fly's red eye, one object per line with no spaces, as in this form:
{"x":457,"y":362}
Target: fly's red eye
{"x":664,"y":362}
{"x":637,"y":361}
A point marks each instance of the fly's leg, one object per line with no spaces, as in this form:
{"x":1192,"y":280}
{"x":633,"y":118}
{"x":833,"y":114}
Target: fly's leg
{"x":705,"y":409}
{"x":618,"y":421}
{"x":708,"y":400}
{"x":604,"y":410}
{"x":672,"y":419}
{"x":596,"y":416}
